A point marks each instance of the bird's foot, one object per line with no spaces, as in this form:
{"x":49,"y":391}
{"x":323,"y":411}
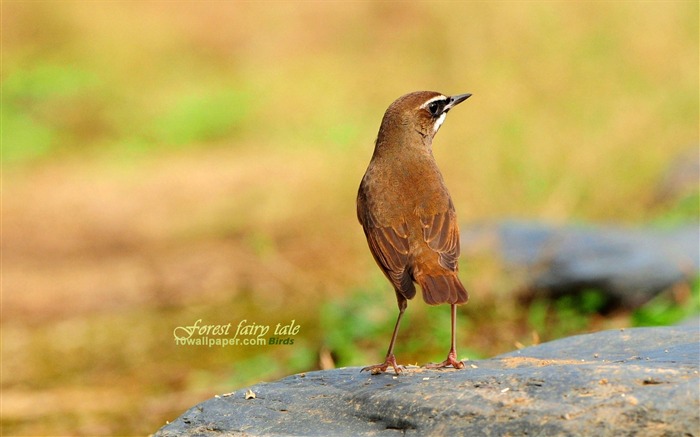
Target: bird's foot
{"x":450,"y":361}
{"x":381,"y":368}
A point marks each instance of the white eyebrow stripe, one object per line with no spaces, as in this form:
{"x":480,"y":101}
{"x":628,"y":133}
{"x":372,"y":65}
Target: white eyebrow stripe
{"x":440,"y":97}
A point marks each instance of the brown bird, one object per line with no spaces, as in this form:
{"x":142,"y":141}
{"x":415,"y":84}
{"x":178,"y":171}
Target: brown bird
{"x":407,"y":213}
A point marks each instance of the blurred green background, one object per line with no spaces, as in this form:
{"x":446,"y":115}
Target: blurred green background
{"x":164,"y":162}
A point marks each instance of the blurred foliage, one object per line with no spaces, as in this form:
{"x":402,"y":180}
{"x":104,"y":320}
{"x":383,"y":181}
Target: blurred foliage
{"x":34,"y":109}
{"x":683,"y":210}
{"x":674,"y":306}
{"x":195,"y":119}
{"x":567,"y":314}
{"x":349,"y":323}
{"x":571,"y":314}
{"x":357,"y":329}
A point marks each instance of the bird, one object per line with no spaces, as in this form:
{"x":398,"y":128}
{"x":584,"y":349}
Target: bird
{"x":407,"y":214}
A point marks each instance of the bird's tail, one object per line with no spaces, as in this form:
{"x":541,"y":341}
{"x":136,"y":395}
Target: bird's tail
{"x":442,"y":289}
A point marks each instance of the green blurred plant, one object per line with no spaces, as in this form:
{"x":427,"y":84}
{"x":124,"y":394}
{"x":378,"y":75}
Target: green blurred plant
{"x":49,"y":107}
{"x":37,"y":104}
{"x":351,"y":324}
{"x":684,"y":210}
{"x":670,"y":308}
{"x":261,"y":366}
{"x":358,"y":327}
{"x":566,"y":315}
{"x":201,"y":117}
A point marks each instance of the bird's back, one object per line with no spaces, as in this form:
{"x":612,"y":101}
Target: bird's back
{"x":410,"y":223}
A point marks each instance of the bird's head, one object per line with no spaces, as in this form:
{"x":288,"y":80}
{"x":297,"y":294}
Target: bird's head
{"x":421,"y":112}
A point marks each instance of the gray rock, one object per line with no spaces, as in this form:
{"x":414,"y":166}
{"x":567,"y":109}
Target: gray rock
{"x":641,"y":381}
{"x":630,"y":266}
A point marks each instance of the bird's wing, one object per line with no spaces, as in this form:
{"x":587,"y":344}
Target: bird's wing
{"x":441,"y":233}
{"x":389,"y":246}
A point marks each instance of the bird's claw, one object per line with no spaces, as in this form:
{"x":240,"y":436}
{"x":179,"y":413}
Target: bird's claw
{"x":450,"y":361}
{"x":381,"y":368}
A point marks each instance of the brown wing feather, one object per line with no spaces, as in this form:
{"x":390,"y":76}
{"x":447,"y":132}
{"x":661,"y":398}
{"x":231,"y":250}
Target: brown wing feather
{"x":441,"y":233}
{"x":389,"y":246}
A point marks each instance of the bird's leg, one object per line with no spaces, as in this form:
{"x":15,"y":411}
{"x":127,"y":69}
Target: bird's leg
{"x":390,"y":359}
{"x":452,"y":355}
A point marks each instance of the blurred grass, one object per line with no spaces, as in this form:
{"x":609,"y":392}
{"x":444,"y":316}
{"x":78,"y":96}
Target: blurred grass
{"x":164,"y":162}
{"x":674,"y":306}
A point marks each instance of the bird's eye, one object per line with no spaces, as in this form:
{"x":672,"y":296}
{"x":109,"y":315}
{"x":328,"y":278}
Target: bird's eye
{"x":434,"y":108}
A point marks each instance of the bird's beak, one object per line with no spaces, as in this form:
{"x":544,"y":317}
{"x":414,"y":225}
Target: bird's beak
{"x":456,"y":100}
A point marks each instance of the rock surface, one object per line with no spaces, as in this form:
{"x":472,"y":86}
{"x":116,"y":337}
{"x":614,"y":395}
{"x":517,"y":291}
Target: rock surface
{"x":630,"y":266}
{"x":640,"y":381}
